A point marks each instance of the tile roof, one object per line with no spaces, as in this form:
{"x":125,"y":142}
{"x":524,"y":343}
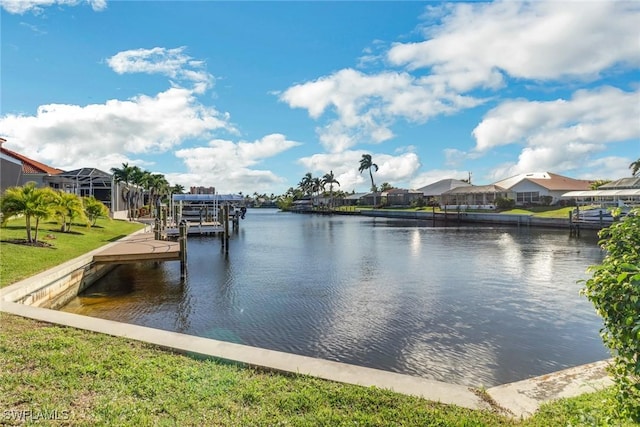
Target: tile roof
{"x":30,"y":165}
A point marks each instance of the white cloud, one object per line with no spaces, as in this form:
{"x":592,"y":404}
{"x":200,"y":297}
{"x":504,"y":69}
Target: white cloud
{"x":230,"y":166}
{"x":36,"y":6}
{"x":538,"y":40}
{"x":597,"y":116}
{"x":367,"y":105}
{"x":560,"y":135}
{"x":172,"y":63}
{"x":71,"y":136}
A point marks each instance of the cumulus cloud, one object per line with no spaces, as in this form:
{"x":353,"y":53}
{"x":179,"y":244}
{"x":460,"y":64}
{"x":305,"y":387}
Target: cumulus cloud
{"x":230,"y":166}
{"x":367,"y":105}
{"x":36,"y":6}
{"x":596,"y":116}
{"x":66,"y":136}
{"x":173,"y":63}
{"x":560,"y":135}
{"x":478,"y":43}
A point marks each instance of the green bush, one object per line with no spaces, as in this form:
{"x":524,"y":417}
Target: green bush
{"x":505,"y":203}
{"x":614,"y":290}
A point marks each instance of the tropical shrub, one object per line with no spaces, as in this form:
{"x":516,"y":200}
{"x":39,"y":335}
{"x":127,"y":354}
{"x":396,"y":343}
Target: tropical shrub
{"x":614,"y":290}
{"x":29,"y":201}
{"x":505,"y":203}
{"x":68,"y":207}
{"x":94,"y":209}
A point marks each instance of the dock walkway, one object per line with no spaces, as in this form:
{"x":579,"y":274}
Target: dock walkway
{"x":139,"y":247}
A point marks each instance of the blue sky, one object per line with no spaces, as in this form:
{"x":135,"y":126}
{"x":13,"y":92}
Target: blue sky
{"x":249,"y":96}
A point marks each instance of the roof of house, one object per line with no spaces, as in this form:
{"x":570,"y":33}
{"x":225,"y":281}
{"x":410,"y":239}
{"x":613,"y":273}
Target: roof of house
{"x":633,"y":182}
{"x":548,"y":180}
{"x":477,"y":189}
{"x":439,"y":187}
{"x":30,"y":165}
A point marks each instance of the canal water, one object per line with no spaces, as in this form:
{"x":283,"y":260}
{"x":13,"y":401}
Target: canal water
{"x":472,"y":305}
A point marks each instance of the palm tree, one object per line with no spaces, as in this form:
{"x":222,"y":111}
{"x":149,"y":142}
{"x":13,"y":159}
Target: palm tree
{"x":177,"y":189}
{"x":140,"y":179}
{"x":367,"y":163}
{"x":306,"y":184}
{"x":316,"y":187}
{"x":330,"y":179}
{"x":68,"y":206}
{"x":30,"y":201}
{"x":635,"y":168}
{"x":94,"y":209}
{"x":158,"y":186}
{"x":124,"y":175}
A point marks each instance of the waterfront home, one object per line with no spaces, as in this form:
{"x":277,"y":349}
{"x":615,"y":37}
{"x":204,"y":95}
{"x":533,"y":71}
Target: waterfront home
{"x":541,"y":188}
{"x":435,"y":190}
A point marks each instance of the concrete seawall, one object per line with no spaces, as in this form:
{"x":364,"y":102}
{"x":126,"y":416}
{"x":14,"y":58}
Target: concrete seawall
{"x":477,"y":217}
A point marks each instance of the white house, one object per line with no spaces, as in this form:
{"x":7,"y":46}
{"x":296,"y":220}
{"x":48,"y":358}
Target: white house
{"x":539,"y":188}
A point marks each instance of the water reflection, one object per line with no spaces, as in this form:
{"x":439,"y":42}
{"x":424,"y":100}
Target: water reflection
{"x":469,"y":305}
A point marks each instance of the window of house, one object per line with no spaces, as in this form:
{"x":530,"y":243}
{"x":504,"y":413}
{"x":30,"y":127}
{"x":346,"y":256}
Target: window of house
{"x":528,"y":197}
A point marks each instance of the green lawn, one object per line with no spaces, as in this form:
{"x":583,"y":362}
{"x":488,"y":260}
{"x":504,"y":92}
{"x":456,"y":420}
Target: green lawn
{"x":19,"y":261}
{"x":86,"y":378}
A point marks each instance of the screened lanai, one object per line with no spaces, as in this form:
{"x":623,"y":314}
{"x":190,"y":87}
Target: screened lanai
{"x":99,"y":184}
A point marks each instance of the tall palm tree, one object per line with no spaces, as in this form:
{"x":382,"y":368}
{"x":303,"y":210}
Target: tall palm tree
{"x":124,"y":175}
{"x":330,"y":179}
{"x":29,"y":201}
{"x":140,"y":179}
{"x":306,"y":184}
{"x":635,"y":168}
{"x":366,"y":163}
{"x":317,"y":187}
{"x":158,"y":186}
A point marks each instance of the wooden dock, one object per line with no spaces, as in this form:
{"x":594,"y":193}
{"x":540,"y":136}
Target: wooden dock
{"x":137,"y":248}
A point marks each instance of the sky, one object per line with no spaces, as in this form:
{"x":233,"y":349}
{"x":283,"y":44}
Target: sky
{"x":249,"y":96}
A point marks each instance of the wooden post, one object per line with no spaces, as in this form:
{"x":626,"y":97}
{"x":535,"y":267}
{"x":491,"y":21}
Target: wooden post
{"x":226,"y":228}
{"x":183,"y":249}
{"x":156,"y":229}
{"x":433,"y":212}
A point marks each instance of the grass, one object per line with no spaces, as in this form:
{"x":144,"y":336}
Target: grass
{"x":20,"y":261}
{"x":85,"y":378}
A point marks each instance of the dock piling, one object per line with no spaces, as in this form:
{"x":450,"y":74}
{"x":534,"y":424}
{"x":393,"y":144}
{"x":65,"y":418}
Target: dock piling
{"x":183,"y":249}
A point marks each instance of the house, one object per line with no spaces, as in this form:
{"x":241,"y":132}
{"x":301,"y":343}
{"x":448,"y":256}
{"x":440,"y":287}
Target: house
{"x":17,"y":170}
{"x":370,"y":199}
{"x":399,"y":197}
{"x":435,"y":190}
{"x":99,"y":184}
{"x":624,"y":191}
{"x":350,"y":200}
{"x":541,"y":188}
{"x":475,"y":196}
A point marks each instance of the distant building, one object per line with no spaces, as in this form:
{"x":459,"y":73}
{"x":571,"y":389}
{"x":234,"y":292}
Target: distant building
{"x":624,"y":191}
{"x":399,"y":196}
{"x":435,"y":190}
{"x":475,"y":196}
{"x":202,"y":190}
